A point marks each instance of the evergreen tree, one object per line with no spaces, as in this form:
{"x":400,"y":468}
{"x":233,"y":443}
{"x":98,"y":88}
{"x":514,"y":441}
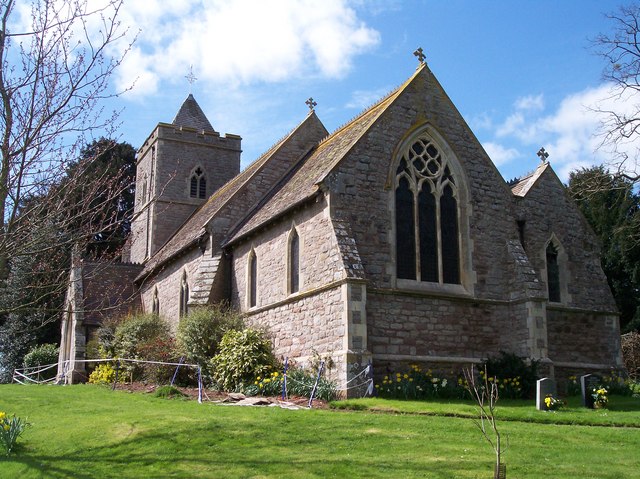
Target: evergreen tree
{"x":611,"y":207}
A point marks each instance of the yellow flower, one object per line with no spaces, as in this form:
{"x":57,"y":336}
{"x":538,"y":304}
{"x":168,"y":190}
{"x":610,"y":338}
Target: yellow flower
{"x":398,"y":379}
{"x":410,"y":380}
{"x":6,"y":427}
{"x":406,"y":376}
{"x":256,"y":382}
{"x":2,"y":415}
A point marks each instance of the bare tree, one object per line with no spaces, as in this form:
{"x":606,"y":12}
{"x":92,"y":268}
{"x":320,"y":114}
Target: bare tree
{"x":56,"y":60}
{"x":620,"y":128}
{"x":485,"y":395}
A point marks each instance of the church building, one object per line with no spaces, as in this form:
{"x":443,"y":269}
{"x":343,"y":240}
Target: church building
{"x":392,"y":240}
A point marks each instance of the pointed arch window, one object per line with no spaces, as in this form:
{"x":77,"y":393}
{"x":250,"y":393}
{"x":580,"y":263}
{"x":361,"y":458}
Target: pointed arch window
{"x":184,"y":295}
{"x":294,"y":262}
{"x":252,"y":280}
{"x":198,"y":184}
{"x":553,"y":273}
{"x":426,"y":209}
{"x":155,"y":307}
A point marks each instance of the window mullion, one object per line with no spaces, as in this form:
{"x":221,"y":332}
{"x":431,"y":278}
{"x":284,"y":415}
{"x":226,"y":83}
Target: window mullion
{"x":416,"y":229}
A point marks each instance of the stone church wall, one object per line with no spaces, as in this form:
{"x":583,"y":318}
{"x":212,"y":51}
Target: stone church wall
{"x":365,"y":194}
{"x":168,"y":282}
{"x":313,"y":318}
{"x":547,"y":210}
{"x":320,"y":261}
{"x":583,"y":339}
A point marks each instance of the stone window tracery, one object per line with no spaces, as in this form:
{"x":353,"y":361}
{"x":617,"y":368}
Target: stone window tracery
{"x":426,"y":210}
{"x":198,"y":184}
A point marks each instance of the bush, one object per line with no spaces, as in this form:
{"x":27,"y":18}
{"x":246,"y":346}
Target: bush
{"x":630,"y":343}
{"x":244,"y":355}
{"x":103,"y":374}
{"x":137,"y":337}
{"x":518,"y":378}
{"x":41,"y":355}
{"x":200,"y":332}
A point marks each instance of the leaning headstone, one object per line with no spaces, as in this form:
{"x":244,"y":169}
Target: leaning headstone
{"x":544,"y":387}
{"x":587,"y":383}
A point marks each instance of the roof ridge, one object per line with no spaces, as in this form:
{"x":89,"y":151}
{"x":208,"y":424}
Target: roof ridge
{"x":373,"y":106}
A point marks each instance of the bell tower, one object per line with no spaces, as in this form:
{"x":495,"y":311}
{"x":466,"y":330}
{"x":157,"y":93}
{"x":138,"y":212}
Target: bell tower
{"x":178,"y":167}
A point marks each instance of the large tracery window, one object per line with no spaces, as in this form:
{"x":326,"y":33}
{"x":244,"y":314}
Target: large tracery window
{"x":426,"y":207}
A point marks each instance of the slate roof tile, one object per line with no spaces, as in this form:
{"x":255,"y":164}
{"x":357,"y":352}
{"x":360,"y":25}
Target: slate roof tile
{"x":191,"y":115}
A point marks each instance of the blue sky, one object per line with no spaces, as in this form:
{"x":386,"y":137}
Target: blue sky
{"x":522,"y":73}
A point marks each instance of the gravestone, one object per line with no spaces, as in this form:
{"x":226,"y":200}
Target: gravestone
{"x":544,"y":386}
{"x":587,"y":383}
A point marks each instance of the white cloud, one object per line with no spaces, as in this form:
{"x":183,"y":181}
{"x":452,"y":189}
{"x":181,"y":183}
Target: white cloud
{"x":237,"y":42}
{"x":572,"y":133}
{"x":530,"y":102}
{"x":500,"y":154}
{"x":362,"y":99}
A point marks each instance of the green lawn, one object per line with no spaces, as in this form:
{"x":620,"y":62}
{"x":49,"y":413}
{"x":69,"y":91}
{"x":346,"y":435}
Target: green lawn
{"x":92,"y":432}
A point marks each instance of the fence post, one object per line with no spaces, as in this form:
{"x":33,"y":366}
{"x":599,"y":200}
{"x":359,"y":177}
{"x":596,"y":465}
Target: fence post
{"x":315,"y":386}
{"x":173,"y":379}
{"x":284,"y":378}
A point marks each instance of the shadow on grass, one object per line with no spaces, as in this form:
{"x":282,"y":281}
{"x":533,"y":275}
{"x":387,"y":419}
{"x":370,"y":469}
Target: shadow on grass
{"x":201,"y":452}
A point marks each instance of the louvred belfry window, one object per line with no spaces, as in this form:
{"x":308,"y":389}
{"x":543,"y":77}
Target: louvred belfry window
{"x":426,"y":209}
{"x":198,"y":185}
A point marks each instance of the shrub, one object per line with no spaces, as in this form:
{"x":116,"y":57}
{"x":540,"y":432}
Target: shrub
{"x":10,"y":430}
{"x":244,"y":355}
{"x":160,"y":348}
{"x":103,"y":374}
{"x":42,"y":355}
{"x":200,"y":332}
{"x":630,"y":343}
{"x":134,"y":335}
{"x":517,"y":377}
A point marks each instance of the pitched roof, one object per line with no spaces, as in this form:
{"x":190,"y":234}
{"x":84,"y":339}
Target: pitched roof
{"x":191,"y":115}
{"x":194,"y":227}
{"x":522,"y":186}
{"x":108,"y":290}
{"x":304,"y":183}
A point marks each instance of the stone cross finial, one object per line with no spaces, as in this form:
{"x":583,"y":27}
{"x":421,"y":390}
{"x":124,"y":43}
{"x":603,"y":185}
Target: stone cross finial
{"x":310,"y":103}
{"x":542,"y":153}
{"x":191,"y":78}
{"x":420,"y":54}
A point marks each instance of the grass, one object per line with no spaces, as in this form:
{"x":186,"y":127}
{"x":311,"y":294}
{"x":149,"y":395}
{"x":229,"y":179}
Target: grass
{"x":87,"y":432}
